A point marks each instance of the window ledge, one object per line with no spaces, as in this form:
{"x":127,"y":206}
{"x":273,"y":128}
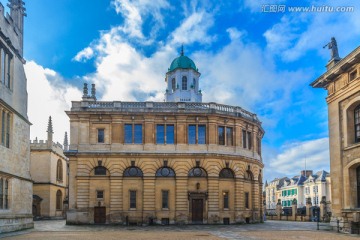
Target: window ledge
{"x":132,"y":209}
{"x":165,"y":209}
{"x":351,"y":146}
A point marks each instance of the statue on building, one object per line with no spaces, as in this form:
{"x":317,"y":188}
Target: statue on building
{"x":334,"y":49}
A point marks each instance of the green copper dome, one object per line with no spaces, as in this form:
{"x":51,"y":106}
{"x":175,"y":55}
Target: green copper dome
{"x":182,"y":62}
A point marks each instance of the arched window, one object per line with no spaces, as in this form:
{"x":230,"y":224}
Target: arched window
{"x":260,"y":178}
{"x":165,"y":172}
{"x":358,"y":185}
{"x":197,"y":172}
{"x":58,"y":200}
{"x":184,"y":83}
{"x":226,"y":173}
{"x":100,"y":170}
{"x":133,"y":172}
{"x":59,"y":170}
{"x":173,"y":84}
{"x":357,"y":123}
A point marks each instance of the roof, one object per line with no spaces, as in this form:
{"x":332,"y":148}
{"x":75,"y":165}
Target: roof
{"x":337,"y":69}
{"x":182,"y":62}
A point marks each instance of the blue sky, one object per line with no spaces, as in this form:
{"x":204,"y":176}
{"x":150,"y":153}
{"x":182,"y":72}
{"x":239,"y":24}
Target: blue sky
{"x":261,"y":61}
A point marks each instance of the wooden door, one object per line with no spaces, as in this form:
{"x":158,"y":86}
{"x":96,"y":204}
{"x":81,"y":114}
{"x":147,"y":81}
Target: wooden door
{"x":99,"y":214}
{"x":197,"y":210}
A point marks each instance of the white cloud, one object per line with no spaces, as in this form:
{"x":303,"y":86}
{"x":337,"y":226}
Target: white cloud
{"x":84,"y":54}
{"x":194,"y":28}
{"x":49,"y":95}
{"x":300,"y":32}
{"x":135,"y":12}
{"x":291,"y":160}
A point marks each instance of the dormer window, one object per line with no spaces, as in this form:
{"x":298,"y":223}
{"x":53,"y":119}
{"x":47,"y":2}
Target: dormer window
{"x":352,"y":75}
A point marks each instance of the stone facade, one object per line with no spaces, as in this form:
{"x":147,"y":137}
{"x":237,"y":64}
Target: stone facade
{"x":49,"y":173}
{"x":342,"y":82}
{"x":163,"y":162}
{"x":15,"y":182}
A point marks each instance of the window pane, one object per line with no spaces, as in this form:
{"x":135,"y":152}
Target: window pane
{"x":165,"y":199}
{"x":244,"y":138}
{"x":246,"y":200}
{"x":8,"y":131}
{"x":3,"y":128}
{"x":192,"y":134}
{"x":160,"y":134}
{"x":173,"y":84}
{"x":201,"y":134}
{"x":184,"y":83}
{"x":138,"y":134}
{"x":229,"y":136}
{"x":128,"y":133}
{"x":100,"y":194}
{"x":8,"y":71}
{"x":2,"y":66}
{"x":1,"y":194}
{"x":226,"y":199}
{"x":221,"y":135}
{"x":170,"y":134}
{"x":132,"y":199}
{"x":249,"y":140}
{"x":100,"y":135}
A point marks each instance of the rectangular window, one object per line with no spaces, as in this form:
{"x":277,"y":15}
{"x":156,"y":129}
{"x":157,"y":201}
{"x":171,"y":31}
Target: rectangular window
{"x":165,"y":199}
{"x":8,"y":131}
{"x":229,"y":136}
{"x":6,"y":194}
{"x":221,"y":135}
{"x":246,"y":200}
{"x":138,"y":139}
{"x":101,"y":133}
{"x":352,"y":75}
{"x":99,"y":194}
{"x":258,"y":141}
{"x":201,"y":134}
{"x":164,"y":134}
{"x":132,"y":199}
{"x":226,"y":200}
{"x":192,"y":134}
{"x":170,"y":134}
{"x":128,"y":133}
{"x":244,"y":138}
{"x":2,"y":59}
{"x":3,"y":128}
{"x":1,"y":194}
{"x":133,"y":133}
{"x":196,"y":134}
{"x":249,"y":140}
{"x":160,"y":134}
{"x":8,"y":78}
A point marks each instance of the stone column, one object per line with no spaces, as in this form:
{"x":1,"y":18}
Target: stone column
{"x":294,"y":209}
{"x":278,"y":209}
{"x":308,"y":206}
{"x":182,"y":201}
{"x":116,"y":199}
{"x":322,"y":208}
{"x":149,"y":198}
{"x":213,"y":200}
{"x":239,"y":200}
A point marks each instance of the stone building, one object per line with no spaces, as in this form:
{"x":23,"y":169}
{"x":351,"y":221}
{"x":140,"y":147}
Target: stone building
{"x":49,"y":173}
{"x":342,"y":82}
{"x":179,"y":161}
{"x":300,"y":187}
{"x":273,"y":193}
{"x":15,"y":182}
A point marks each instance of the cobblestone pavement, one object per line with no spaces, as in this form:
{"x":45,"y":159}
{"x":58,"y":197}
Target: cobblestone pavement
{"x":58,"y":230}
